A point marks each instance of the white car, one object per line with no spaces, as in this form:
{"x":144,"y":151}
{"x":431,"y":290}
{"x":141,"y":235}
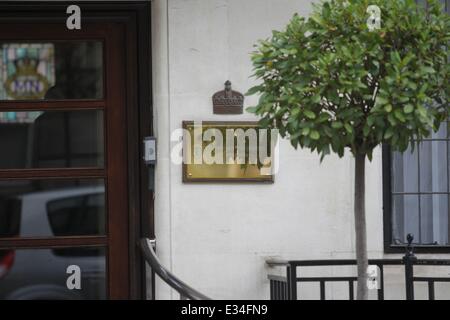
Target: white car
{"x":36,"y":274}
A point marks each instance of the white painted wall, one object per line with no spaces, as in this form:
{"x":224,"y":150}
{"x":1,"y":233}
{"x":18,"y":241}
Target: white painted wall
{"x":216,"y":237}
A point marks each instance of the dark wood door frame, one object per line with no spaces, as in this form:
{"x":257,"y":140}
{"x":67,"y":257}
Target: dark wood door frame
{"x":134,"y":16}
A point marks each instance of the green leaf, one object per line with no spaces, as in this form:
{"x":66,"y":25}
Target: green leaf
{"x":412,"y":85}
{"x":295,"y":136}
{"x":328,"y":131}
{"x":389,"y":133}
{"x":395,"y":57}
{"x":381,"y":101}
{"x":254,"y":90}
{"x":399,"y":115}
{"x":409,"y":108}
{"x":392,"y":120}
{"x":306,"y":131}
{"x":388,"y":108}
{"x":309,"y":114}
{"x":318,"y":19}
{"x":336,"y":125}
{"x":264,"y":122}
{"x":421,"y":111}
{"x":324,"y":117}
{"x":366,"y":131}
{"x":251,"y":109}
{"x":348,"y":127}
{"x":315,"y":135}
{"x":424,"y":88}
{"x":295,"y":112}
{"x":316,"y":98}
{"x":426,"y":69}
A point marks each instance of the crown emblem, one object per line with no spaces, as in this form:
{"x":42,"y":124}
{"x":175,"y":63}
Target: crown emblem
{"x":228,"y":101}
{"x":26,"y":82}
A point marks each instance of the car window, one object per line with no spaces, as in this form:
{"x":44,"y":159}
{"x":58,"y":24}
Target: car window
{"x":77,"y":216}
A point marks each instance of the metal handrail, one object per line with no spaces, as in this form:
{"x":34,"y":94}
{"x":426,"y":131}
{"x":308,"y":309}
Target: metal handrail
{"x":348,"y":262}
{"x":331,"y":262}
{"x":185,"y":291}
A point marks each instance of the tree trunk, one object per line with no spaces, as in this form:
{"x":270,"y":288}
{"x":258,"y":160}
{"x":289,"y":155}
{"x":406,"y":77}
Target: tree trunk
{"x":360,"y":227}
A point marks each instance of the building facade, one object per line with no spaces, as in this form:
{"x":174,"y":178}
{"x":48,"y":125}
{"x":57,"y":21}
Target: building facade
{"x":217,"y":237}
{"x":76,"y":196}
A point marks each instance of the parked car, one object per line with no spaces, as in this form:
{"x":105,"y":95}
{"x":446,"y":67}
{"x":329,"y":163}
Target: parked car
{"x":41,"y":273}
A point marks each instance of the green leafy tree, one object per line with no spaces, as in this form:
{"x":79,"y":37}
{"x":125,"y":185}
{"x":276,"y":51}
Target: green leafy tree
{"x":336,"y":81}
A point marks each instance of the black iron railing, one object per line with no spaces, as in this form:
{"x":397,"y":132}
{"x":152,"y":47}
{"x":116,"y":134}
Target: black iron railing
{"x":186,"y":292}
{"x":285,"y":287}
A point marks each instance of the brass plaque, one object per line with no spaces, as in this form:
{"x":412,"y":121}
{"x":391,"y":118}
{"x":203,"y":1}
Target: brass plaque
{"x":232,"y":147}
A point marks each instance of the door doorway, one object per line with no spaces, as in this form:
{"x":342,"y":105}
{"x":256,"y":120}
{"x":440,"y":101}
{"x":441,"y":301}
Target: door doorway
{"x":74,"y":106}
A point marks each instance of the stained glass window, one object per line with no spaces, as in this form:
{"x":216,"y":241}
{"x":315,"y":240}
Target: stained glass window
{"x":59,"y":70}
{"x":27,"y":70}
{"x":19,"y":117}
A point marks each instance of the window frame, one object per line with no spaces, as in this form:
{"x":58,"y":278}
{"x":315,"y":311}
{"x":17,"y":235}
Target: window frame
{"x":389,"y":247}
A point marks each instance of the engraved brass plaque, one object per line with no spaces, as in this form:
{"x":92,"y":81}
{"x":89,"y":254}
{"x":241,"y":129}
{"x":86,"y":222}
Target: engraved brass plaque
{"x":227,"y":152}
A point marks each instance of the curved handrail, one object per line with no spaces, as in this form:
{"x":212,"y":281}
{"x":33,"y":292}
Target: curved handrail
{"x":182,"y":288}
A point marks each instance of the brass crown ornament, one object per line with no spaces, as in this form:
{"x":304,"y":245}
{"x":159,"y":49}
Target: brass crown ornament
{"x":228,"y":101}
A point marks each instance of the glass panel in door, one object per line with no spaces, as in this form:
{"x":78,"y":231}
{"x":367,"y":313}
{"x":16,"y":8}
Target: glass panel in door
{"x":54,"y":219}
{"x":57,"y":70}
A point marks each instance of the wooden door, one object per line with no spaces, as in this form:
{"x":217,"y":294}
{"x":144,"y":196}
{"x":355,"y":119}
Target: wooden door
{"x":64,"y":200}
